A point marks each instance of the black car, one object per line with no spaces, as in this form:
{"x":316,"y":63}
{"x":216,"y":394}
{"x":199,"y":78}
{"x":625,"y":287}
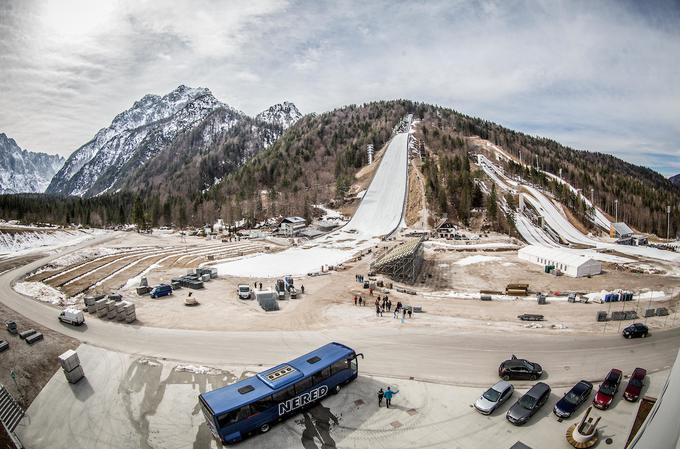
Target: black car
{"x":519,"y":369}
{"x":573,"y":399}
{"x":636,"y":330}
{"x":528,"y":404}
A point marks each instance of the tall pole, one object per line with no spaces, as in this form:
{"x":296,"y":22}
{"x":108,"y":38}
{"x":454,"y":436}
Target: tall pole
{"x":668,"y":226}
{"x":592,"y":202}
{"x":616,"y":207}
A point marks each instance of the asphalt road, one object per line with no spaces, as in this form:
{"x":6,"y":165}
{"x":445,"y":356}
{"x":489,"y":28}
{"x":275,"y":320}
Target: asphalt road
{"x":442,"y":355}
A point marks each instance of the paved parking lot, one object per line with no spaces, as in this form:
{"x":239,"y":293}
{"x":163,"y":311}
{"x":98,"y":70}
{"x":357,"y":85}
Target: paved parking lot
{"x":132,"y":402}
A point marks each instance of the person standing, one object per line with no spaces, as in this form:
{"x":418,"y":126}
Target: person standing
{"x":389,"y":305}
{"x":410,"y":313}
{"x":377,"y":310}
{"x":355,"y":300}
{"x":260,"y":285}
{"x":389,"y":394}
{"x":360,"y":300}
{"x":403,"y":314}
{"x":381,"y":394}
{"x":302,"y":289}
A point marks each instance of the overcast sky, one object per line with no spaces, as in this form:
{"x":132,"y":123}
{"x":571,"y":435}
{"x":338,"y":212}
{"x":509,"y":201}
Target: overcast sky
{"x":602,"y":76}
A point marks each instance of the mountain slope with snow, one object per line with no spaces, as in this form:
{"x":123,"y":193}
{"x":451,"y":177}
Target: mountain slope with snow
{"x":25,"y":171}
{"x":186,"y":134}
{"x":282,"y":114}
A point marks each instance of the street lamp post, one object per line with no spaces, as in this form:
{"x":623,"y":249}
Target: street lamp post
{"x":668,"y":226}
{"x":616,"y":208}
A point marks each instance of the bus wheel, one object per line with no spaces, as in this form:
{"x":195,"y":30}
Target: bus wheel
{"x":264,"y":428}
{"x":336,"y":390}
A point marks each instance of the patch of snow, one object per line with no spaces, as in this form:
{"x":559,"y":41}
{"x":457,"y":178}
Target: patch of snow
{"x":43,"y":293}
{"x":478,"y":258}
{"x":134,"y":282}
{"x":360,"y":194}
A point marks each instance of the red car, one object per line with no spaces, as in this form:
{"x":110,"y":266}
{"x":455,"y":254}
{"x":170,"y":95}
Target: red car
{"x":608,"y":388}
{"x":635,"y":383}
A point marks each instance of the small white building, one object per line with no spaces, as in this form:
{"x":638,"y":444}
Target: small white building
{"x":569,"y":262}
{"x":291,"y":225}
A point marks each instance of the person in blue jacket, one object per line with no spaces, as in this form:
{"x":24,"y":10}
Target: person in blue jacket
{"x":389,"y":394}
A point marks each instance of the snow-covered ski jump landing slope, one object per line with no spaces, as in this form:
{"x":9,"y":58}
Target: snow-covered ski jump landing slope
{"x":379,"y":214}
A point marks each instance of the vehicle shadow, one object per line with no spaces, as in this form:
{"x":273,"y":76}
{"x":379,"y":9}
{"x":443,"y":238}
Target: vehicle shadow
{"x":81,"y":328}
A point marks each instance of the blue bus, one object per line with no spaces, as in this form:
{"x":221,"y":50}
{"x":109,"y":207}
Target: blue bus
{"x":254,"y":404}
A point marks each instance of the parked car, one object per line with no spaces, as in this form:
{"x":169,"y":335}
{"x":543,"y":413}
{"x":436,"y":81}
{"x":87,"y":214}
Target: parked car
{"x":161,"y":290}
{"x":636,"y":330}
{"x":573,"y":399}
{"x":494,"y":397}
{"x":635,"y":384}
{"x":528,"y":404}
{"x":608,"y":388}
{"x":244,"y":291}
{"x":519,"y":369}
{"x":74,"y":317}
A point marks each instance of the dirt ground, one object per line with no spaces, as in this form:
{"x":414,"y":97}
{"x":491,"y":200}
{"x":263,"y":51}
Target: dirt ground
{"x":34,"y":364}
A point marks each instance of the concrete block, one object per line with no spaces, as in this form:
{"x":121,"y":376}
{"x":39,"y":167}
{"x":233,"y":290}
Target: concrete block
{"x":69,"y":360}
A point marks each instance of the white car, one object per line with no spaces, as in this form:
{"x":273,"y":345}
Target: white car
{"x":244,"y":291}
{"x":494,"y":397}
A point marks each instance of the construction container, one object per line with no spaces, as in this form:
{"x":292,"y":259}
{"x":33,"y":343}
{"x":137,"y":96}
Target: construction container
{"x":69,"y":360}
{"x":267,"y":300}
{"x":618,"y":316}
{"x":33,"y":338}
{"x":631,"y":315}
{"x":485,"y":297}
{"x":205,"y":277}
{"x":602,"y":315}
{"x":27,"y":333}
{"x":213,"y":273}
{"x":75,"y":374}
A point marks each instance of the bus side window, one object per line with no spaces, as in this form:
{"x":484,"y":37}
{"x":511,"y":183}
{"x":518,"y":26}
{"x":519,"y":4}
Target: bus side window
{"x":228,"y":418}
{"x":244,"y":413}
{"x":262,"y":405}
{"x":284,"y":395}
{"x":303,"y":385}
{"x":317,"y":378}
{"x":339,"y":366}
{"x":326,"y":372}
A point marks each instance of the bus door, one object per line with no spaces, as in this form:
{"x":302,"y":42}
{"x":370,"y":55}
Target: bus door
{"x":354,"y":363}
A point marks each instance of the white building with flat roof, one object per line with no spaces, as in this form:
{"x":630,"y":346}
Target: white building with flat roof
{"x":567,"y":261}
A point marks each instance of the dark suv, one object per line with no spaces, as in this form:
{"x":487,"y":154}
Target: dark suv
{"x":519,"y":369}
{"x":636,"y":330}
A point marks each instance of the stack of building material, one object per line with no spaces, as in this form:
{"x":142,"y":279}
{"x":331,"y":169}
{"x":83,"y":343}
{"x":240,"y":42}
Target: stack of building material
{"x":662,"y":311}
{"x":101,"y":308}
{"x":116,"y":297}
{"x":602,"y":315}
{"x":130,"y":314}
{"x":90,"y":304}
{"x":34,"y":337}
{"x":143,"y":290}
{"x":267,"y":300}
{"x":120,"y":310}
{"x":70,"y":363}
{"x":110,"y":309}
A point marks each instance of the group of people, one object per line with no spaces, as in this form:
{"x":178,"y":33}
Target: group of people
{"x":387,"y":394}
{"x":359,"y":300}
{"x":359,"y":278}
{"x":382,"y":305}
{"x":302,"y":287}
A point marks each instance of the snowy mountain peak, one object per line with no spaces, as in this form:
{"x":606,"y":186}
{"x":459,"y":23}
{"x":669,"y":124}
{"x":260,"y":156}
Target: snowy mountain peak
{"x":283,"y":114}
{"x":25,"y":171}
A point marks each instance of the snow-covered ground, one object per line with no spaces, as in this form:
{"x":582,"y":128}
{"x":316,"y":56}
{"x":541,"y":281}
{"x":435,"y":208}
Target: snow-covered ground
{"x":43,"y":292}
{"x":477,"y":258}
{"x":26,"y":241}
{"x":379,"y":214}
{"x":329,"y":214}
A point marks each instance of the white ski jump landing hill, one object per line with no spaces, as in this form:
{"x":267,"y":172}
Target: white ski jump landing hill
{"x":380,"y":213}
{"x":545,"y":207}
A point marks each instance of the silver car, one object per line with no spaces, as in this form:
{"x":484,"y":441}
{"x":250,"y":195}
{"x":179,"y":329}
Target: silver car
{"x":494,"y":397}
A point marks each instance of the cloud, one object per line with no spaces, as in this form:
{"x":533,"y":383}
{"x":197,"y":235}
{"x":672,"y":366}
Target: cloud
{"x":594,"y":75}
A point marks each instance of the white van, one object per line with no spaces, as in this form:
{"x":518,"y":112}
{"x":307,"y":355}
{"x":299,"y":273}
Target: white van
{"x":244,"y":291}
{"x":74,"y":317}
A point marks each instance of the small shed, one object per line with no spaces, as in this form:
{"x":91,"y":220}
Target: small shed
{"x":567,"y":261}
{"x":620,"y":231}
